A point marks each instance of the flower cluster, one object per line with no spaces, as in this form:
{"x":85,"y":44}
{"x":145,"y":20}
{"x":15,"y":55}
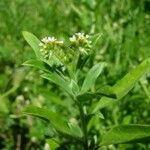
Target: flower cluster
{"x":50,"y":46}
{"x":81,"y":41}
{"x":50,"y":42}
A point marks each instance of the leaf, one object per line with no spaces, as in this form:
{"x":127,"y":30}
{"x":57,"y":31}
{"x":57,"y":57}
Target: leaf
{"x":123,"y":86}
{"x":81,"y":61}
{"x":96,"y":39}
{"x":88,"y":97}
{"x":103,"y":102}
{"x":126,"y":134}
{"x":50,"y":96}
{"x":53,"y":143}
{"x":91,"y":77}
{"x":36,"y":63}
{"x":106,"y":90}
{"x":58,"y":121}
{"x":57,"y":79}
{"x":34,"y":42}
{"x":74,"y":86}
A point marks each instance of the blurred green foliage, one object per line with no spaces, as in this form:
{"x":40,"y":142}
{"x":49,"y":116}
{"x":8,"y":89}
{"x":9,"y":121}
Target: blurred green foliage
{"x":124,"y":43}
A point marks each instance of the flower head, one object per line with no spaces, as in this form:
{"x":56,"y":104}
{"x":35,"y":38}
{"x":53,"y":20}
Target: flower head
{"x":80,"y":39}
{"x":82,"y":42}
{"x":48,"y":44}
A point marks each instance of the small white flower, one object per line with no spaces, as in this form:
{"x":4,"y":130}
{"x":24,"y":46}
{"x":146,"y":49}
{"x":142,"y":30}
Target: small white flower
{"x":80,"y":38}
{"x":72,"y":39}
{"x":51,"y":39}
{"x":48,"y":42}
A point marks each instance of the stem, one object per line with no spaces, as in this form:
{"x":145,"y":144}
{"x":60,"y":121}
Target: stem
{"x":84,"y":127}
{"x":9,"y":92}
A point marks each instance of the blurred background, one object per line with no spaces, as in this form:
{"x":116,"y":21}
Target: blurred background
{"x":125,"y":29}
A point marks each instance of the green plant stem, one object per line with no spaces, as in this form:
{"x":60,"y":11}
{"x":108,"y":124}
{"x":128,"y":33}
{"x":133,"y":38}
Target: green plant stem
{"x":84,"y":126}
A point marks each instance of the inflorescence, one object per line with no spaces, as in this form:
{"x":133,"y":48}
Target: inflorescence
{"x":79,"y":43}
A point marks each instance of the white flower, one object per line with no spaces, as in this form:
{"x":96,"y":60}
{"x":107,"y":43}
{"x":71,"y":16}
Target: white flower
{"x":80,"y":38}
{"x":50,"y":42}
{"x":72,"y":39}
{"x":48,"y":39}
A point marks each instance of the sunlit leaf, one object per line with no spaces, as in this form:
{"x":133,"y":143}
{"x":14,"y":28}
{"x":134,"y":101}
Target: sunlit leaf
{"x":91,"y":77}
{"x":34,"y":42}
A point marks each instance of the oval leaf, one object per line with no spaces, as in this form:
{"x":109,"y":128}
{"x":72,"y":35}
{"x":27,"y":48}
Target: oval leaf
{"x":34,"y":42}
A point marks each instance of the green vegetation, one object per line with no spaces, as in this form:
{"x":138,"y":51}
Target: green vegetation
{"x":81,"y":82}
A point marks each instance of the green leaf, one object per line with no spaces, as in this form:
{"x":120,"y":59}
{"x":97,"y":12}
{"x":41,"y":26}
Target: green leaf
{"x":50,"y":96}
{"x":58,"y":121}
{"x":106,"y":90}
{"x":53,"y":143}
{"x":126,"y":134}
{"x":96,"y":39}
{"x":91,"y":77}
{"x":57,"y":79}
{"x":74,"y":86}
{"x":123,"y":86}
{"x":34,"y":42}
{"x":88,"y":97}
{"x":103,"y":102}
{"x":36,"y":63}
